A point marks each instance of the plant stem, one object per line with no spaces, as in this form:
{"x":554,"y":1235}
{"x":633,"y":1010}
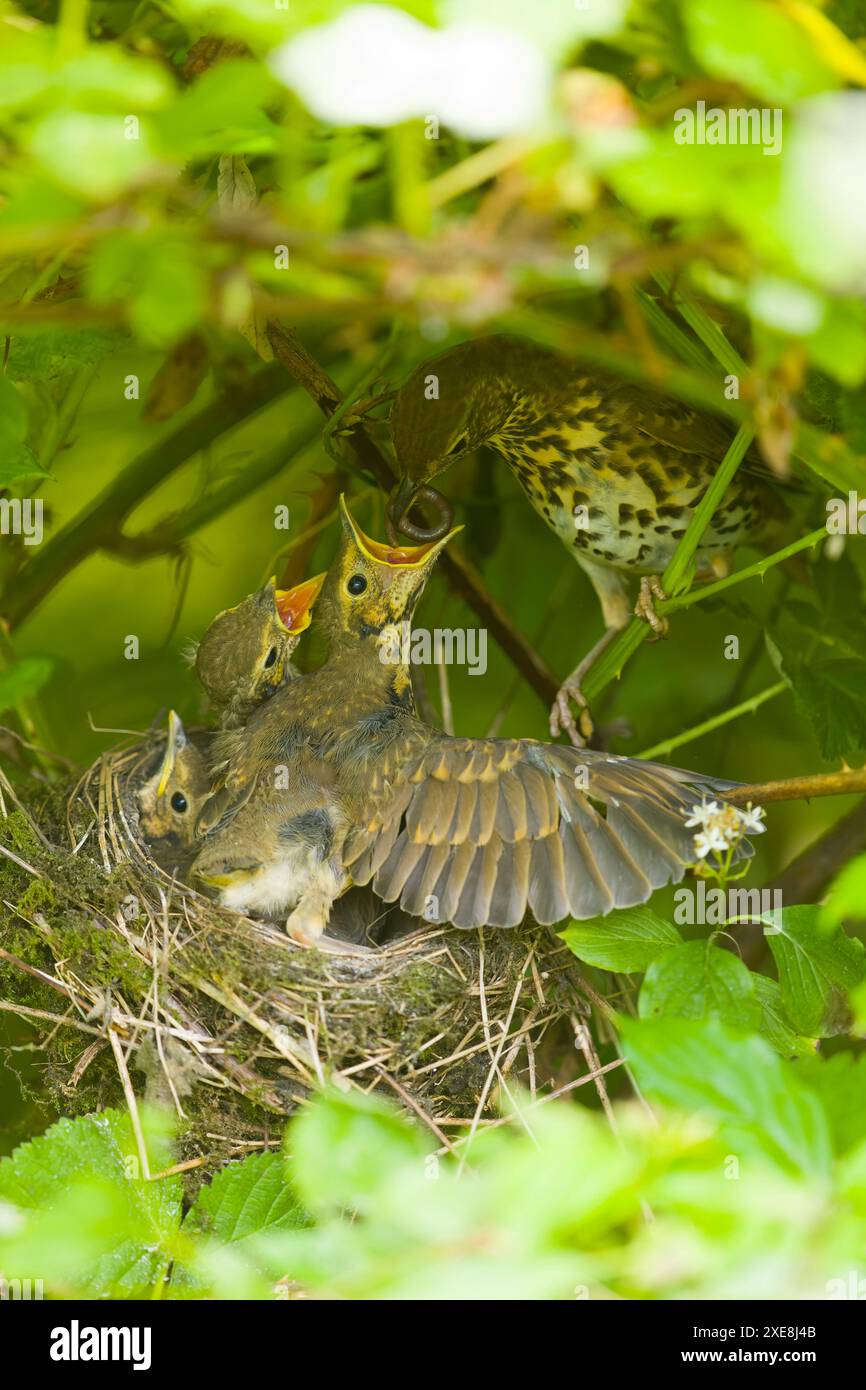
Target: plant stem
{"x":848,"y":782}
{"x":100,"y":522}
{"x":754,"y":571}
{"x":749,"y":706}
{"x":628,"y":641}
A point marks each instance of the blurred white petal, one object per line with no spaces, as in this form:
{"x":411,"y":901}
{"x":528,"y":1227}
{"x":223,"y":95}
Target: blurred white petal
{"x":489,"y":82}
{"x":373,"y":66}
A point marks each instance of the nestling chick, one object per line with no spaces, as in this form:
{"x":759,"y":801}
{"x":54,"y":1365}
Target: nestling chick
{"x":277,"y":824}
{"x":244,"y":656}
{"x":170,"y":800}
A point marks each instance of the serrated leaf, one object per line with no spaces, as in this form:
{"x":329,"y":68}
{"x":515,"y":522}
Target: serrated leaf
{"x":20,"y":462}
{"x":698,"y":980}
{"x":628,"y":941}
{"x":818,"y":644}
{"x":817,"y":968}
{"x":740,"y":1081}
{"x":89,"y":1221}
{"x":247,"y":1198}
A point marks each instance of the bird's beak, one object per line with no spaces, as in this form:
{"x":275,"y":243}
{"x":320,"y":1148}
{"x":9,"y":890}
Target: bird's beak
{"x":400,"y":503}
{"x":403,"y":557}
{"x":216,"y":880}
{"x":174,"y":744}
{"x":295,"y":606}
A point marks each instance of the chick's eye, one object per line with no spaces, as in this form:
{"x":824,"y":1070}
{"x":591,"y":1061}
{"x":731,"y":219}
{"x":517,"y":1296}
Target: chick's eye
{"x":357,"y":584}
{"x":271,"y":657}
{"x":179,"y":802}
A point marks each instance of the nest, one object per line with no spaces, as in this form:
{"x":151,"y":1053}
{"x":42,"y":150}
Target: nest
{"x":139,"y":987}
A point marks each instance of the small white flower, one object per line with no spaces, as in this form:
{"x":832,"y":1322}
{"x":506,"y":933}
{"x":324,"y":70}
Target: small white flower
{"x":710,"y":840}
{"x":701,"y":814}
{"x":723,"y":827}
{"x":752,"y":819}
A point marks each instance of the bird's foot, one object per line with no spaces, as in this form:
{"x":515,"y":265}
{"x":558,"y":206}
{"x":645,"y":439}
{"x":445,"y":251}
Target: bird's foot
{"x":650,"y":590}
{"x":307,"y":923}
{"x":561,"y":716}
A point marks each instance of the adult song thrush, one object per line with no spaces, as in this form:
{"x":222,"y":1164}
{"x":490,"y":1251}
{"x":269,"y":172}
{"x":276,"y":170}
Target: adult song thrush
{"x":474,"y":832}
{"x":615,"y":469}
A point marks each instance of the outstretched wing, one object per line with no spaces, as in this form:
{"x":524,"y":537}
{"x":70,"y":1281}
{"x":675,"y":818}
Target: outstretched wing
{"x":477,"y":831}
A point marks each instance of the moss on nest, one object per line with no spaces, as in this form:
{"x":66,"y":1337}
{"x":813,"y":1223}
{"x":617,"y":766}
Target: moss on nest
{"x":225,"y":1017}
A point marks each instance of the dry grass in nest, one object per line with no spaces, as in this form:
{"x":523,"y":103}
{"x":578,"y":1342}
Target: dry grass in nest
{"x":234,"y":1024}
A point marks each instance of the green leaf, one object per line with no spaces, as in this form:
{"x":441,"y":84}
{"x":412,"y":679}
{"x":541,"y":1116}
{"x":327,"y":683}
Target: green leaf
{"x":90,"y":154}
{"x":698,"y":980}
{"x":89,"y":1221}
{"x":343,"y":1150}
{"x":847,"y":895}
{"x":628,"y":941}
{"x":13,"y":417}
{"x":161,"y":279}
{"x":840,"y":1083}
{"x":818,"y":644}
{"x":18,"y":463}
{"x":246,"y":1199}
{"x":23,"y":680}
{"x":817,"y":969}
{"x":775,"y":1024}
{"x":222,"y":114}
{"x":758,"y":46}
{"x":739,"y":1081}
{"x":48,"y":355}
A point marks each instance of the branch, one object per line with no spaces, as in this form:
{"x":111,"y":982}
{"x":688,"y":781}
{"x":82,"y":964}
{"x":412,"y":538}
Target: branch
{"x":170,"y":532}
{"x":708,"y":726}
{"x":848,"y":782}
{"x":97,"y":525}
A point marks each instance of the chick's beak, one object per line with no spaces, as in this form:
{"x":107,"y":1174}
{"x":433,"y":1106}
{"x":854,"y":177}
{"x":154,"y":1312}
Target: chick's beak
{"x":397,"y":556}
{"x":295,"y":606}
{"x":175,"y":742}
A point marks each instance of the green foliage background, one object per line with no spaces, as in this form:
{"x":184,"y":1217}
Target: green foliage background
{"x":155,"y":258}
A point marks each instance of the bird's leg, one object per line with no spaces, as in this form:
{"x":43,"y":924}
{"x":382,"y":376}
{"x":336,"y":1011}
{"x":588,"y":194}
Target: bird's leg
{"x":310,"y":918}
{"x":616,"y":612}
{"x":650,"y":590}
{"x":561,"y":717}
{"x":307,"y":923}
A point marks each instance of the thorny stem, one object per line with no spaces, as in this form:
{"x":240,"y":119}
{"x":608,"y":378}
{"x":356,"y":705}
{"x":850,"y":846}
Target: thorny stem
{"x":847,"y":782}
{"x":627,"y":643}
{"x":667,"y":746}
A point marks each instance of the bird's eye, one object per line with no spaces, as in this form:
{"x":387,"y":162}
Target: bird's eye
{"x":179,"y":802}
{"x":357,"y":584}
{"x":271,"y":657}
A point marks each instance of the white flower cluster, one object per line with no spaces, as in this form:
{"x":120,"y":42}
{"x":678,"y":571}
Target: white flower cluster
{"x":722,"y":827}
